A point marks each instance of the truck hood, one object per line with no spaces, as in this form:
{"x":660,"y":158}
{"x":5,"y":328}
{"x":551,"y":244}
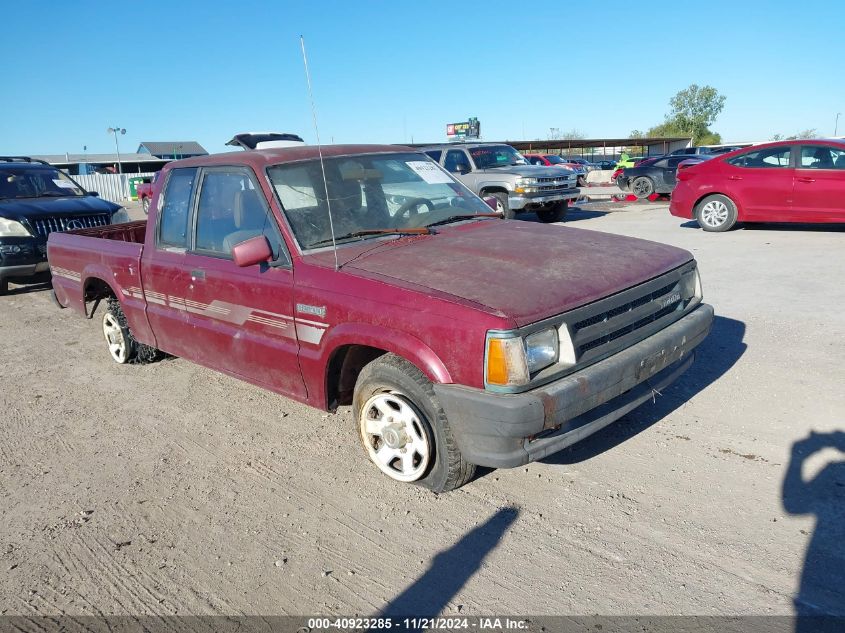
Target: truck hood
{"x":17,"y":208}
{"x":528,"y":171}
{"x":522,"y":271}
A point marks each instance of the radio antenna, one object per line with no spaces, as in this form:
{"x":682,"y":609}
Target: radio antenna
{"x":319,"y":150}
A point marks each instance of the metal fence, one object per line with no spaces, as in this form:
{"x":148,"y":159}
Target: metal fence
{"x":114,"y":187}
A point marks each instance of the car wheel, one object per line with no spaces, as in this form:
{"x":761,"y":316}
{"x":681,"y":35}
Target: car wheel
{"x":716,"y":213}
{"x":145,"y":203}
{"x":502,"y":207}
{"x":582,"y":181}
{"x":403,"y":427}
{"x":553,"y":213}
{"x":642,"y":187}
{"x":122,"y":345}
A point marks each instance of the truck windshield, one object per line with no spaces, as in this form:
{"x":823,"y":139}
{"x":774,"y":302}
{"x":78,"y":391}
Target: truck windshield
{"x":488,"y":156}
{"x":368,"y":193}
{"x":35,"y":182}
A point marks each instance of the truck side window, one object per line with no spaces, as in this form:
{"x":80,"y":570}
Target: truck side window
{"x":435,"y":154}
{"x":455,"y":160}
{"x":173,"y":220}
{"x":231,"y":210}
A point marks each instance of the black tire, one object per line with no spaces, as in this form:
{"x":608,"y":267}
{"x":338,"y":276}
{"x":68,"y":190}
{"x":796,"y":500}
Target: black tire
{"x":553,"y":213}
{"x":145,"y":204}
{"x":582,"y":181}
{"x":504,"y":207}
{"x":716,"y":213}
{"x":393,"y":376}
{"x":4,"y":286}
{"x":131,"y":351}
{"x":642,"y":187}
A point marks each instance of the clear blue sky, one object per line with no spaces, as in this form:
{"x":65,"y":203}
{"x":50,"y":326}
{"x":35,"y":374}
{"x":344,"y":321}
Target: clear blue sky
{"x":398,"y":70}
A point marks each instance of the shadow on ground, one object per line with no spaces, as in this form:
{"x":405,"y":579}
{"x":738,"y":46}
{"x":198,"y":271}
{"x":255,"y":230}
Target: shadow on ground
{"x":23,"y":290}
{"x":778,"y":228}
{"x":451,"y":569}
{"x":714,"y":357}
{"x":821,"y":591}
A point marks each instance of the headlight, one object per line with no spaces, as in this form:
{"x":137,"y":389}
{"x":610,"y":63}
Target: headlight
{"x":691,"y":285}
{"x":541,"y":349}
{"x":10,"y":228}
{"x":511,"y":361}
{"x":120,"y":216}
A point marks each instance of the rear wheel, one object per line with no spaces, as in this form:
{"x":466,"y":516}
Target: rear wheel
{"x":145,"y":203}
{"x":403,"y":427}
{"x":716,"y":213}
{"x":553,"y":213}
{"x":502,"y":207}
{"x":122,"y":345}
{"x":642,"y":187}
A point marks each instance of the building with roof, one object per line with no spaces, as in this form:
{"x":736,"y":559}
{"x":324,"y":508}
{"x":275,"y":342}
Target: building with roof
{"x":172,"y":150}
{"x":82,"y":164}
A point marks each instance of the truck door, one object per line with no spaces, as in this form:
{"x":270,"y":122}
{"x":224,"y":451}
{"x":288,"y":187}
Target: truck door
{"x":241,"y":318}
{"x":164,"y":274}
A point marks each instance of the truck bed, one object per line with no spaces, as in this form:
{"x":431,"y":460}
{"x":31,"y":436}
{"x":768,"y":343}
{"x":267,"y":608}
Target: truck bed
{"x":83,"y":260}
{"x":127,"y":232}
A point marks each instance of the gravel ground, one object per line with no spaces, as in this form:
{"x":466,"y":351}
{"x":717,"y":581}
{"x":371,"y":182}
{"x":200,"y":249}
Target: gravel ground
{"x":169,"y":488}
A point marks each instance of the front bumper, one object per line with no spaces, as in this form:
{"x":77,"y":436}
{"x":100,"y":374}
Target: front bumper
{"x":517,"y":202}
{"x":23,"y":258}
{"x":508,"y":430}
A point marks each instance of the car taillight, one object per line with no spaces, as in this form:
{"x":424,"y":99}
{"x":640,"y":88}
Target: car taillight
{"x":616,"y":174}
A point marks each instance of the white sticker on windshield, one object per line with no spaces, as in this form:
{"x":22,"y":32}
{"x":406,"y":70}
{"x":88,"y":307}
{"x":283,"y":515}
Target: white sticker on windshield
{"x":64,"y":184}
{"x":429,"y":172}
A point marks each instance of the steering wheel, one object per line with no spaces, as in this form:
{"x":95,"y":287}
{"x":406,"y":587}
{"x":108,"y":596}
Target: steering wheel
{"x":412,"y":206}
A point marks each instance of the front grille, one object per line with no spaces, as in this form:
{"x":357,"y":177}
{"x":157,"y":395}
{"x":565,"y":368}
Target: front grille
{"x":45,"y":226}
{"x":598,"y":329}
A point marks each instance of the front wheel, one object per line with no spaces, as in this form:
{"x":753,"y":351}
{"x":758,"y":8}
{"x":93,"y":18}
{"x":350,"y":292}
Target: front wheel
{"x":403,"y":427}
{"x":716,"y":213}
{"x":553,"y":213}
{"x":502,"y":205}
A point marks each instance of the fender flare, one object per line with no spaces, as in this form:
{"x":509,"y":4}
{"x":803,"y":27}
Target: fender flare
{"x":397,"y":342}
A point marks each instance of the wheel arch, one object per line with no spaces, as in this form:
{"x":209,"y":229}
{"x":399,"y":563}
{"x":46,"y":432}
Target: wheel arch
{"x":352,"y":346}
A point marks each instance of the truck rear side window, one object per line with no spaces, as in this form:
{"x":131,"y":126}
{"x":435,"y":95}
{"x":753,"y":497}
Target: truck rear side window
{"x":173,"y":221}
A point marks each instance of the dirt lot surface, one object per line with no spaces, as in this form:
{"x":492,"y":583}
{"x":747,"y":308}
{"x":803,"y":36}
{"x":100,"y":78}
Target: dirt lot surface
{"x":168,"y":488}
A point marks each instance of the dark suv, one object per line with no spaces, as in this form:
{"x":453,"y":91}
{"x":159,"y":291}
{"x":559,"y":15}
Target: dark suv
{"x":35,"y":200}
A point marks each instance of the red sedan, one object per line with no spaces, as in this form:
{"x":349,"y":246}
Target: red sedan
{"x":786,"y":181}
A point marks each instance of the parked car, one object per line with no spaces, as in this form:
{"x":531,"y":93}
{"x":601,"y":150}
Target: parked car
{"x":786,"y":181}
{"x":690,"y":151}
{"x":656,"y":176}
{"x":638,"y":161}
{"x":553,"y":160}
{"x":606,"y":165}
{"x":626,"y":161}
{"x":37,"y":199}
{"x":459,"y":339}
{"x":145,"y":191}
{"x":587,"y":165}
{"x":494,"y":169}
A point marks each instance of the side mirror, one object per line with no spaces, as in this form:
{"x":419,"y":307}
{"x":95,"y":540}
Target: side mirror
{"x":96,"y":194}
{"x":252,"y":251}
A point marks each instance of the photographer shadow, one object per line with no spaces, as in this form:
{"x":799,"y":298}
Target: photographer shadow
{"x":720,"y":351}
{"x":820,"y":600}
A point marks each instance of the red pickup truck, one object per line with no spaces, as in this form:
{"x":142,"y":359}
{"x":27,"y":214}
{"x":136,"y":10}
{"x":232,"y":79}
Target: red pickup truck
{"x":368,"y":276}
{"x":144,"y":191}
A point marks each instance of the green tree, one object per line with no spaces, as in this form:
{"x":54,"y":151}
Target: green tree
{"x":695,"y":108}
{"x":693,"y":111}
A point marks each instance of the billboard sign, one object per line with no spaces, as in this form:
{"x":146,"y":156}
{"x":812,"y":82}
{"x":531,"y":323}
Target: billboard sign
{"x":463,"y":130}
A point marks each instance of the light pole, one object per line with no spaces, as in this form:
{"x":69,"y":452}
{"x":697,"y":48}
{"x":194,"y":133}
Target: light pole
{"x":115,"y":130}
{"x":836,"y":125}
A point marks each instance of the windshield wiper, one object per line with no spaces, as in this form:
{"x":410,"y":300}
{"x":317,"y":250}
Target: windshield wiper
{"x":53,"y":194}
{"x":464,"y":216}
{"x":422,"y":230}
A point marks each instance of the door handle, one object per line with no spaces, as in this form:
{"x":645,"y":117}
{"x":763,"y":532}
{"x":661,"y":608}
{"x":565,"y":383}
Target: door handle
{"x":806,"y":180}
{"x":734,"y":177}
{"x":197,"y":275}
